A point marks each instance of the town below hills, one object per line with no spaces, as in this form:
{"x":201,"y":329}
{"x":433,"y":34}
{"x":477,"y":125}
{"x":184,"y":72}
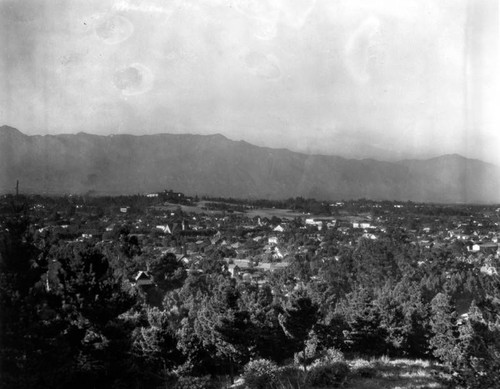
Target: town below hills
{"x":177,"y":291}
{"x":214,"y":165}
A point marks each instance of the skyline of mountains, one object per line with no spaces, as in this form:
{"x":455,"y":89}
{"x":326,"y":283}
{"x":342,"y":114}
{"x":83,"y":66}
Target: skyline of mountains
{"x":217,"y":166}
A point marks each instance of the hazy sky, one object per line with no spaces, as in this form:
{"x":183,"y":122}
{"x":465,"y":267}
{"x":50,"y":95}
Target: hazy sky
{"x":385,"y":78}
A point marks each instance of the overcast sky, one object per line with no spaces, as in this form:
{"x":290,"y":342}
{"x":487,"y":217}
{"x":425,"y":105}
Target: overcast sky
{"x":359,"y":78}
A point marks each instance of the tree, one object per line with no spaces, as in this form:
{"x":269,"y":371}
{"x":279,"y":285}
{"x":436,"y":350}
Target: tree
{"x":267,"y":339}
{"x":22,"y":342}
{"x":365,"y":333}
{"x":154,"y":347}
{"x":222,"y":325}
{"x":479,"y":345}
{"x":168,"y":273}
{"x":88,"y":300}
{"x":299,"y":316}
{"x":443,"y":323}
{"x":404,"y":316}
{"x":375,"y":263}
{"x":198,"y":355}
{"x":310,"y":351}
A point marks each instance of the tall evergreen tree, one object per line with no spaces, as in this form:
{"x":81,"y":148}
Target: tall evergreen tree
{"x":479,"y":345}
{"x":443,"y":322}
{"x":365,"y":333}
{"x":222,"y":324}
{"x":298,"y":319}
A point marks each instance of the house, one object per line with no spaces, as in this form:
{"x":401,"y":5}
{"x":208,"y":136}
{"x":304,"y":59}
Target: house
{"x":182,"y":258}
{"x":370,"y":236}
{"x":271,"y":266}
{"x":277,"y":254}
{"x":361,"y":224}
{"x":278,"y":228}
{"x":488,"y":248}
{"x":164,"y":228}
{"x":319,"y":223}
{"x":272,"y":240}
{"x":143,"y":278}
{"x":91,"y":233}
{"x":238,"y":266}
{"x":331,"y":224}
{"x":311,"y":222}
{"x":489,"y":270}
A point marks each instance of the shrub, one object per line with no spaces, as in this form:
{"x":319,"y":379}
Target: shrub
{"x":289,"y":377}
{"x":362,"y":368}
{"x":330,"y":356}
{"x":189,"y":382}
{"x":310,"y":352}
{"x":260,"y":374}
{"x":325,"y":375}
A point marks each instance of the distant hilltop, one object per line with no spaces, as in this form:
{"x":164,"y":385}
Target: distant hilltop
{"x":217,"y":166}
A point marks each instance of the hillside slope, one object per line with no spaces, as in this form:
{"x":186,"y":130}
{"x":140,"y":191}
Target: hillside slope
{"x":215,"y":165}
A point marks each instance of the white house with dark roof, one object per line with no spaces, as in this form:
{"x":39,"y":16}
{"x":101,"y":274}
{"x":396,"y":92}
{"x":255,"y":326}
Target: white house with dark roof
{"x":143,"y":278}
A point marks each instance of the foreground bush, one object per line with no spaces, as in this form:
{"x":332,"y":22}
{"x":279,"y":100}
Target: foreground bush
{"x":188,"y":382}
{"x":330,"y":356}
{"x":363,"y":368}
{"x":289,"y":377}
{"x":260,"y":374}
{"x":264,"y":374}
{"x":328,"y":375}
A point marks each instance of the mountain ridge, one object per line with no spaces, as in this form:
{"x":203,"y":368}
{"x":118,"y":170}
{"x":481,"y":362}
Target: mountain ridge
{"x":216,"y":165}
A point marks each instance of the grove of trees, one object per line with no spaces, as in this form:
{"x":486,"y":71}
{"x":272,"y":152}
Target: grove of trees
{"x":70,"y":316}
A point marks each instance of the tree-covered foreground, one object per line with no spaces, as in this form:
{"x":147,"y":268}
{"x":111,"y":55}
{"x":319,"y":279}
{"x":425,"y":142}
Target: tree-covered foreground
{"x":72,"y":318}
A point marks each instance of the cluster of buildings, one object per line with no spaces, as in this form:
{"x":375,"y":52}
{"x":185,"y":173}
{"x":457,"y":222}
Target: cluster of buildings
{"x":252,"y":247}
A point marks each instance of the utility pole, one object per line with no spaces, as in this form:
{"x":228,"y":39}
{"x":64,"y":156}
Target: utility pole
{"x":17,"y":188}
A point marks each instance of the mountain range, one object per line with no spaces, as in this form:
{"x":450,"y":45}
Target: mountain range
{"x":217,"y":166}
